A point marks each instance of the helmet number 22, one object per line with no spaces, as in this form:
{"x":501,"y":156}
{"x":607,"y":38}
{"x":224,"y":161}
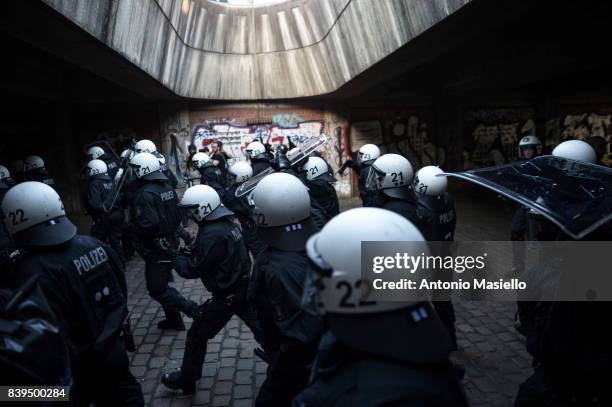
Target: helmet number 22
{"x":17,"y":217}
{"x":344,"y":301}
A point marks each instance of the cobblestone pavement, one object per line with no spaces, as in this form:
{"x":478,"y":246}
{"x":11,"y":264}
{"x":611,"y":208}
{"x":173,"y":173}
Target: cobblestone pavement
{"x":490,"y":349}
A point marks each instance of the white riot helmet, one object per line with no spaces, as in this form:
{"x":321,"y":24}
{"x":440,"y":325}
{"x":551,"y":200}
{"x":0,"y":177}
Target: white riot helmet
{"x":200,"y":159}
{"x":427,"y":181}
{"x":368,"y":152}
{"x":96,"y":167}
{"x":282,"y":212}
{"x":241,"y":171}
{"x":255,"y":148}
{"x":35,"y":215}
{"x":315,"y":168}
{"x":204,"y":203}
{"x":95,"y":152}
{"x":389,"y":173}
{"x":146,"y":166}
{"x":33,"y":162}
{"x":4,"y":173}
{"x":408,"y":329}
{"x":576,"y":150}
{"x":145,"y":146}
{"x":5,"y":178}
{"x":529,"y":141}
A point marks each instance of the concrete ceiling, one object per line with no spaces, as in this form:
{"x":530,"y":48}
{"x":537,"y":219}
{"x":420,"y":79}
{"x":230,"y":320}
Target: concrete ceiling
{"x":200,"y":49}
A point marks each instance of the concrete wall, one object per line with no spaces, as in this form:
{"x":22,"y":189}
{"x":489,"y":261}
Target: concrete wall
{"x":205,"y":50}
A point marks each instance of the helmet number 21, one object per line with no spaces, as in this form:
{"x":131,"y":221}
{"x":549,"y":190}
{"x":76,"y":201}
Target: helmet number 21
{"x":17,"y":217}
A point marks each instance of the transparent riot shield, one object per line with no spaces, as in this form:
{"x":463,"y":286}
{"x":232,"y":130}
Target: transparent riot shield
{"x":575,"y":196}
{"x":306,"y":149}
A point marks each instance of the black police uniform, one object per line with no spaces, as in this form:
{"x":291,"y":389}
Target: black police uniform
{"x":107,"y":225}
{"x":112,"y":164}
{"x":240,"y":207}
{"x":84,"y":283}
{"x":345,"y":377}
{"x":289,"y":328}
{"x":220,"y":259}
{"x":569,"y":342}
{"x":213,"y":177}
{"x":260,"y":163}
{"x":26,"y":319}
{"x":400,"y":200}
{"x":322,"y":191}
{"x":436,"y":220}
{"x":155,"y":215}
{"x":39,"y":175}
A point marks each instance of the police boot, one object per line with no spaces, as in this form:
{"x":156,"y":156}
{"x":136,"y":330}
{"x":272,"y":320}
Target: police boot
{"x":177,"y":325}
{"x":175,"y":381}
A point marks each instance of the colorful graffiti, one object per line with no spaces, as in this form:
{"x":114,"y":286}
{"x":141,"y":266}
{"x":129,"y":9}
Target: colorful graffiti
{"x":236,"y":138}
{"x":589,"y":123}
{"x":287,"y":119}
{"x":492,"y":135}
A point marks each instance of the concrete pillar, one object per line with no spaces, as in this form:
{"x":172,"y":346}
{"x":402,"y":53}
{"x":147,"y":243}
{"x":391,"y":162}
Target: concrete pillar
{"x":175,"y":134}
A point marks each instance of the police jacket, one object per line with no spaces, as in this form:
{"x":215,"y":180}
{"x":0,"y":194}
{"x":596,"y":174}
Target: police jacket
{"x":39,"y":175}
{"x":405,"y":206}
{"x":112,"y":165}
{"x":99,"y":190}
{"x":213,"y":177}
{"x":237,"y":204}
{"x":325,"y":194}
{"x":84,"y":283}
{"x":436,"y":217}
{"x":155,"y":211}
{"x":277,"y":284}
{"x":344,"y":377}
{"x":259,"y":164}
{"x":219,"y":257}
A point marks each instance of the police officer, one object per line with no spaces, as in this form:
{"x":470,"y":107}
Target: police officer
{"x":366,"y":156}
{"x":258,"y":155}
{"x":320,"y":186}
{"x":529,"y":147}
{"x":211,"y":174}
{"x":437,"y":219}
{"x":83,"y":281}
{"x":155,"y":216}
{"x":34,"y":170}
{"x":293,"y":163}
{"x":220,"y":259}
{"x":391,"y":175}
{"x":375,"y":353}
{"x":98,"y":153}
{"x":97,"y":199}
{"x":239,"y":173}
{"x":282,"y":213}
{"x":569,"y":342}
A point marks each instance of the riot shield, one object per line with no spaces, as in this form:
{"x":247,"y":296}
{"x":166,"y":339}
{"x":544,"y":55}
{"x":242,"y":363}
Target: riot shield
{"x":306,"y":149}
{"x":575,"y":196}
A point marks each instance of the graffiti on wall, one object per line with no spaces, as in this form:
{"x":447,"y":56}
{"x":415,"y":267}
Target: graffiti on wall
{"x":235,"y":138}
{"x":405,"y":135}
{"x":592,"y":124}
{"x":492,"y":135}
